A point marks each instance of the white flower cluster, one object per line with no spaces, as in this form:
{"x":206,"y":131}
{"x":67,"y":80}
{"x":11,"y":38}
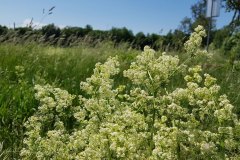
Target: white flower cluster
{"x":192,"y":46}
{"x":47,"y":129}
{"x":150,"y":71}
{"x":146,"y":121}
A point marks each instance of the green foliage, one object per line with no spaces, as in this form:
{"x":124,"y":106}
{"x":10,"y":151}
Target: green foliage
{"x":3,"y":30}
{"x":50,"y":30}
{"x":231,"y":47}
{"x":118,"y":35}
{"x":220,"y":36}
{"x":4,"y":153}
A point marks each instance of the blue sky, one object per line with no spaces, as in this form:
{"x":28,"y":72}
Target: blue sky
{"x":148,"y":16}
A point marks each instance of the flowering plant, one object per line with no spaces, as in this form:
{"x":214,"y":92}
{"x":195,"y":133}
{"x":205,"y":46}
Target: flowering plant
{"x":147,"y":120}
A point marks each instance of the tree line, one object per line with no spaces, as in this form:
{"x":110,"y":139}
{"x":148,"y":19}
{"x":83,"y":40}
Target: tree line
{"x":72,"y":36}
{"x":173,"y":40}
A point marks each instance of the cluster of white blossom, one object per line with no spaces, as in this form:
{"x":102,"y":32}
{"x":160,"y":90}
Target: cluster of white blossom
{"x":192,"y":46}
{"x":148,"y":121}
{"x":47,"y":130}
{"x":152,"y":72}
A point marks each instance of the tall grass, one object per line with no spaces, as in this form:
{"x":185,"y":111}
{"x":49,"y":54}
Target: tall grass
{"x":23,"y":66}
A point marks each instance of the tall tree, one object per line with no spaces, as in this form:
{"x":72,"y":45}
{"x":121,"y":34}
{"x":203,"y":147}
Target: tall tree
{"x":186,"y":25}
{"x":199,"y":15}
{"x":233,"y":5}
{"x":198,"y":18}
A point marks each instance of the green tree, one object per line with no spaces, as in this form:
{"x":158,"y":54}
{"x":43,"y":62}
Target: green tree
{"x":50,"y":30}
{"x":140,"y":40}
{"x":3,"y":30}
{"x":233,"y":5}
{"x":186,"y":25}
{"x":199,"y":15}
{"x":121,"y":35}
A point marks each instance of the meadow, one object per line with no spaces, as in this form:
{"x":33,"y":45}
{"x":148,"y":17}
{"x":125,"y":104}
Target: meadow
{"x":23,"y":67}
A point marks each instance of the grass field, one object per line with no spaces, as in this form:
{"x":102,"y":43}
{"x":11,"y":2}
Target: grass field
{"x":24,"y":66}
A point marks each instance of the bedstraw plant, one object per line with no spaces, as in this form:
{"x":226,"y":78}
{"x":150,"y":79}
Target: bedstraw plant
{"x":143,"y":120}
